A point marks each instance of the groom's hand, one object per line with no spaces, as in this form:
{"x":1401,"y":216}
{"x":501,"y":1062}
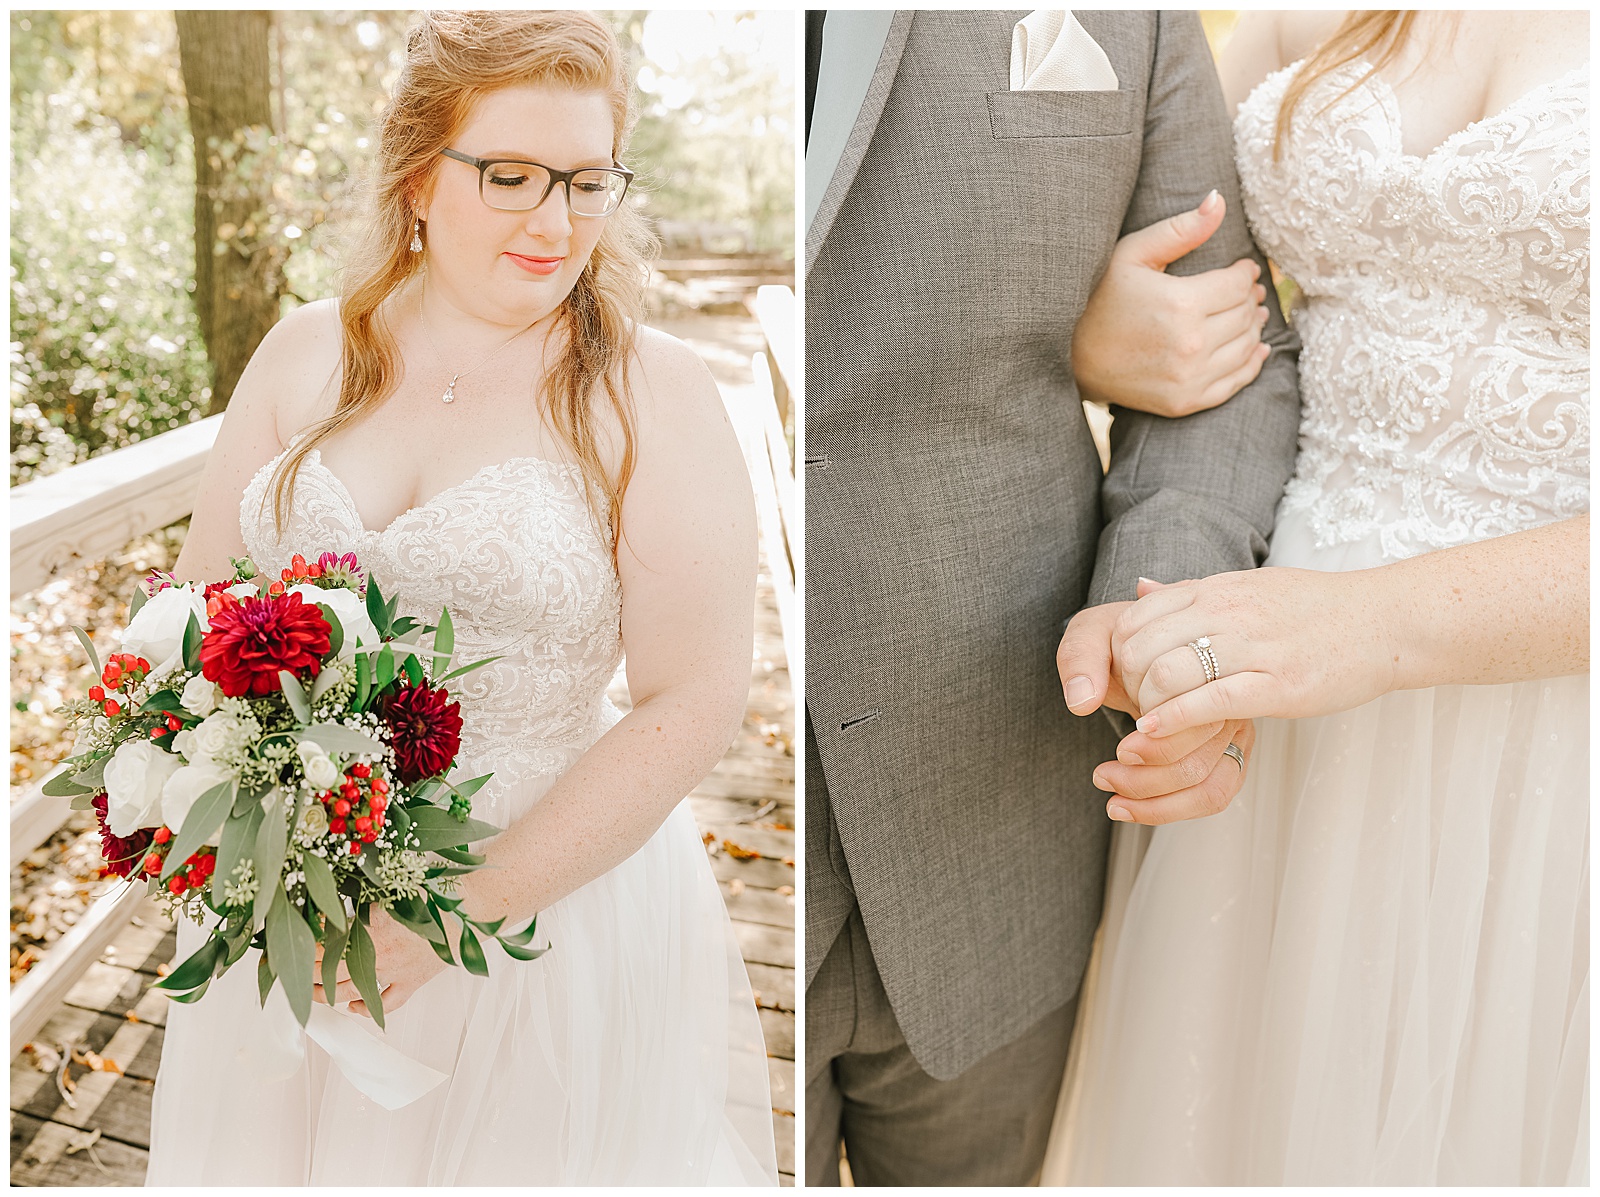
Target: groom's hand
{"x":1084,"y":662}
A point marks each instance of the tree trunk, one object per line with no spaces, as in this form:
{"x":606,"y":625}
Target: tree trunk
{"x":238,"y":270}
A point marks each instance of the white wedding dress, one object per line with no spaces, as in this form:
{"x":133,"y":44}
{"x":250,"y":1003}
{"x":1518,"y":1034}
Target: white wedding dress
{"x":1373,"y":968}
{"x":630,"y":1053}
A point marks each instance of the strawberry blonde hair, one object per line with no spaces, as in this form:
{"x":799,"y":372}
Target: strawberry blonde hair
{"x":454,"y":59}
{"x":1357,"y":36}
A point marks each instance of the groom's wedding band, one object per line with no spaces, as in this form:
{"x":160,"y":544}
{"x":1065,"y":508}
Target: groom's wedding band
{"x":1233,"y":751}
{"x":1208,"y":661}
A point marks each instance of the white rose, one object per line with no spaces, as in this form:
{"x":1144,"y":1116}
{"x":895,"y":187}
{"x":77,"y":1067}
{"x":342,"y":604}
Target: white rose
{"x":134,"y":777}
{"x":183,"y":789}
{"x":218,"y":736}
{"x":314,"y":820}
{"x":244,"y":590}
{"x":200,"y":695}
{"x":156,"y":633}
{"x":183,"y":743}
{"x":320,"y":770}
{"x":351,"y":611}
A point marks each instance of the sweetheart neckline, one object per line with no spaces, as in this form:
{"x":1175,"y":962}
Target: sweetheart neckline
{"x":366,"y":529}
{"x":1395,"y":118}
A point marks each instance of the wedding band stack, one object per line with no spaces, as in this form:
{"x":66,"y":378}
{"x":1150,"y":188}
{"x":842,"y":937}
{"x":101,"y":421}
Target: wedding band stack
{"x":1208,"y":659}
{"x":1234,"y":751}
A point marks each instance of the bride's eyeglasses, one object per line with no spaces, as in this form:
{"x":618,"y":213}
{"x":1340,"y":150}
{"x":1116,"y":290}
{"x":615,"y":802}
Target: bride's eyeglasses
{"x":516,"y":186}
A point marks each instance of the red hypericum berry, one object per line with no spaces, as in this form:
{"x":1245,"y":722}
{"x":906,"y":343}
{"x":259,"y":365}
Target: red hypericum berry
{"x":298,"y":563}
{"x":144,"y":666}
{"x":368,"y":837}
{"x":113,"y":707}
{"x":350,"y":790}
{"x":111,"y":673}
{"x":163,"y":834}
{"x":359,"y":769}
{"x":177,"y":884}
{"x":336,"y":826}
{"x":174,"y":722}
{"x":377,"y":818}
{"x":98,"y":693}
{"x":380,"y":786}
{"x":355,"y":848}
{"x":377,"y":801}
{"x":152,"y":863}
{"x":364,"y":823}
{"x":313,"y":571}
{"x":195,"y":878}
{"x":208,"y":864}
{"x":341,"y":808}
{"x":276,"y":590}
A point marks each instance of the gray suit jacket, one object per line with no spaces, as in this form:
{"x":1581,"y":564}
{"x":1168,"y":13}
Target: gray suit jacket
{"x":956,"y":514}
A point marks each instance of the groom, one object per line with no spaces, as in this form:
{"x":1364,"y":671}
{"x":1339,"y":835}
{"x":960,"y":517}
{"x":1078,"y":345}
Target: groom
{"x":956,"y":519}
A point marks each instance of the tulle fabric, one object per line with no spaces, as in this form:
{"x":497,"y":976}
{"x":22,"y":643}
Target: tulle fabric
{"x":1373,"y":968}
{"x":630,"y":1053}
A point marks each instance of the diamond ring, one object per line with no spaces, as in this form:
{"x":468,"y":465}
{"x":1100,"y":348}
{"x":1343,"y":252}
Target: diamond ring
{"x":1208,"y":659}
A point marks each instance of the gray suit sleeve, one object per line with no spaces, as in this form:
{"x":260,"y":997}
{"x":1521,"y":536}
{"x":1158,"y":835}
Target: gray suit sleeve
{"x":1196,"y":496}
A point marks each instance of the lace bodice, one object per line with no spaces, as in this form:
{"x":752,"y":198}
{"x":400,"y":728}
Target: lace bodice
{"x":515,"y":555}
{"x":1445,"y":363}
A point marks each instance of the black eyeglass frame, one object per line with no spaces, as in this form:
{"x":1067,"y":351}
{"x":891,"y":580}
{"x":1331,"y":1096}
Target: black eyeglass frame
{"x":563,"y":177}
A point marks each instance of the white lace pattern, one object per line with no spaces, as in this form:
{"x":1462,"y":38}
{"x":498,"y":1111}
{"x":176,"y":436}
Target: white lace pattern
{"x":515,"y":555}
{"x":1445,"y":360}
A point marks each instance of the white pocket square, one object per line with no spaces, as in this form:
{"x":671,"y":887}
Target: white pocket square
{"x":1050,"y":51}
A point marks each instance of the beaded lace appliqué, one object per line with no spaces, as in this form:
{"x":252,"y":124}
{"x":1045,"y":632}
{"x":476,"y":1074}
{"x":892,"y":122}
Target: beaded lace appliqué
{"x":514,"y":554}
{"x":1445,"y":363}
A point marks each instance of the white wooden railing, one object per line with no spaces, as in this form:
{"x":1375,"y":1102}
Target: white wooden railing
{"x":87,"y":512}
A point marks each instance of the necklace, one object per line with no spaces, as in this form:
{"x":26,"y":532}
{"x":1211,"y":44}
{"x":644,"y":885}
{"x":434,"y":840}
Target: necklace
{"x":449,"y":395}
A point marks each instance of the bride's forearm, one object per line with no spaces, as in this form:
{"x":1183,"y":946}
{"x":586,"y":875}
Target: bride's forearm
{"x":607,"y":805}
{"x":1500,"y":610}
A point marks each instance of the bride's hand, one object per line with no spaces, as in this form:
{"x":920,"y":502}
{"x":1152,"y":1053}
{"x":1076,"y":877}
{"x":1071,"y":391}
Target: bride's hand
{"x":405,"y":963}
{"x":1287,"y":643}
{"x":1169,"y":344}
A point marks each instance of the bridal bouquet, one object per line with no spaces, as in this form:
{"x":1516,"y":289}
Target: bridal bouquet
{"x":277,"y":754}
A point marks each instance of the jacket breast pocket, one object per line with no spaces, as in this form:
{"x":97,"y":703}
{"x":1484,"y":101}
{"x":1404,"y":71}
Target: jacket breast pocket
{"x":1020,"y":114}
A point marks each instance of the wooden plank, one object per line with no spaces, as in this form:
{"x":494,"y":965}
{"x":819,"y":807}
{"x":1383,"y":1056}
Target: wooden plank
{"x":118,"y":1105}
{"x":768,"y":874}
{"x":88,"y":511}
{"x":116,"y":990}
{"x":40,"y":1156}
{"x":775,"y":845}
{"x":774,"y":987}
{"x":41,"y":990}
{"x":783,"y":1135}
{"x":760,"y":944}
{"x":777,"y":1028}
{"x":739,"y":809}
{"x":780,"y":1075}
{"x":753,"y":905}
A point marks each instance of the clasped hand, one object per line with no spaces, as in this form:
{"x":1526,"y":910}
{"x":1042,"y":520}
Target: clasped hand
{"x":1287,"y":643}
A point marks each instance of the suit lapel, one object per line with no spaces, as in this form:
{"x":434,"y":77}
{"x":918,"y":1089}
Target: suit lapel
{"x":855,"y":148}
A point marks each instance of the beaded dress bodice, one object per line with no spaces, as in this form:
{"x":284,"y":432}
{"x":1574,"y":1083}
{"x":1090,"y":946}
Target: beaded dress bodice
{"x":515,"y":555}
{"x":1445,"y":362}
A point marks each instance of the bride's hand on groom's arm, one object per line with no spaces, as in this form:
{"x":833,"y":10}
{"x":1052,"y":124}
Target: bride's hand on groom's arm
{"x":1169,"y":344}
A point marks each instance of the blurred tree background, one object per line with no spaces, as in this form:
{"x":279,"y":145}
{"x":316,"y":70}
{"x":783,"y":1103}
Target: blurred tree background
{"x":112,"y":321}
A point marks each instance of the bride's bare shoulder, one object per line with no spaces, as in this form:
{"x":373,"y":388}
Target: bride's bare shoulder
{"x":679,"y":410}
{"x":1264,"y":42}
{"x":295,"y":369}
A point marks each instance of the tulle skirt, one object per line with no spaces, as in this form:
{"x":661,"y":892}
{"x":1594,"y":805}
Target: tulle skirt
{"x":630,"y":1053}
{"x":1372,"y":968}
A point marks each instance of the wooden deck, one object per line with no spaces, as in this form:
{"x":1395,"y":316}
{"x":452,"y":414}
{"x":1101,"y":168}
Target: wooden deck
{"x":87,"y":1121}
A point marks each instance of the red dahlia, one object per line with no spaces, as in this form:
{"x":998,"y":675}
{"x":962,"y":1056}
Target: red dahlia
{"x":250,"y":642}
{"x":424,"y":731}
{"x":122,"y":855}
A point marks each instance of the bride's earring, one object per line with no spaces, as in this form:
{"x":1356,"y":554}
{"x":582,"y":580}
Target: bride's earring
{"x":416,"y":235}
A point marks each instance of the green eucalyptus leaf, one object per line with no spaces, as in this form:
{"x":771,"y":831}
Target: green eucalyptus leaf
{"x":238,"y":841}
{"x":299,"y":703}
{"x":520,"y":953}
{"x":335,"y":629}
{"x":362,"y":961}
{"x":444,"y":641}
{"x":191,"y":644}
{"x":332,"y":952}
{"x":200,"y":824}
{"x":521,"y":937}
{"x":93,"y":775}
{"x":335,"y":737}
{"x":472,"y":958}
{"x":61,"y":785}
{"x":197,"y":969}
{"x":264,"y":978}
{"x":384,"y":670}
{"x":162,"y":700}
{"x":194,"y":995}
{"x":324,"y":892}
{"x":88,"y":647}
{"x":272,"y":844}
{"x":291,"y":946}
{"x":414,"y":914}
{"x":437,"y":828}
{"x":80,"y":802}
{"x":461,"y":856}
{"x":466,"y":789}
{"x":139,"y":599}
{"x":237,"y":947}
{"x":363,"y":681}
{"x":455,"y":673}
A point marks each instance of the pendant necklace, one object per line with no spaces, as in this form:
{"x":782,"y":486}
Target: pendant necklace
{"x":449,"y":395}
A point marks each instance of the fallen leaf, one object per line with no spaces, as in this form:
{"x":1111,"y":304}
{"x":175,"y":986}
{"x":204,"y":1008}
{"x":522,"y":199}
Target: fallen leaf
{"x":738,"y":852}
{"x":132,"y":1017}
{"x":82,"y":1140}
{"x":786,"y":890}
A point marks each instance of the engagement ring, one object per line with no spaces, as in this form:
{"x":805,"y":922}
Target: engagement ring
{"x":1208,"y":659}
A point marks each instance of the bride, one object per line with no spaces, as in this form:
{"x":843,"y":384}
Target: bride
{"x":1372,"y":967}
{"x":484,"y":422}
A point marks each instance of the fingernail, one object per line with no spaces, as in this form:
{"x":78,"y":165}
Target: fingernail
{"x":1118,"y":813}
{"x":1080,"y":690}
{"x":1148,"y":724}
{"x":1100,"y":783}
{"x":1209,"y":204}
{"x":1151,"y":581}
{"x":1129,"y":758}
{"x":1261,"y":315}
